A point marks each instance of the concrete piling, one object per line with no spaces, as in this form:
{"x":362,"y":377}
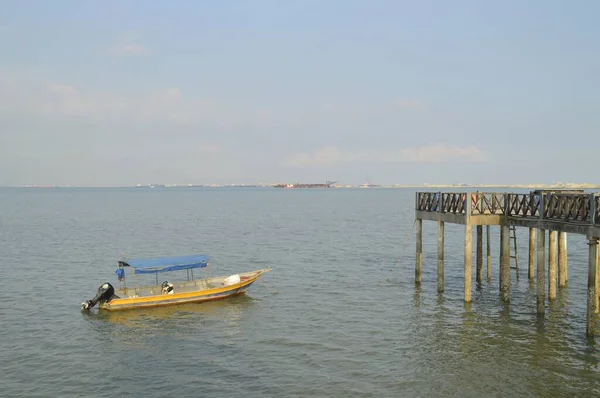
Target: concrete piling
{"x":489,"y":252}
{"x":531,"y":268}
{"x":501,"y":270}
{"x":440,"y":257}
{"x":468,"y":261}
{"x":479,"y":253}
{"x":505,"y":263}
{"x":562,"y":259}
{"x":541,"y":271}
{"x":552,"y":252}
{"x":419,"y":254}
{"x":591,"y":286}
{"x":597,"y":308}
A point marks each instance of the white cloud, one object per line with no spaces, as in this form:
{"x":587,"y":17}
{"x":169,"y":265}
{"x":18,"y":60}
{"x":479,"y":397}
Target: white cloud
{"x":409,"y":104}
{"x":27,"y":94}
{"x":131,"y":49}
{"x":57,"y":101}
{"x":354,"y":109}
{"x":327,"y":155}
{"x":129,"y":46}
{"x":436,"y":153}
{"x":443,"y":153}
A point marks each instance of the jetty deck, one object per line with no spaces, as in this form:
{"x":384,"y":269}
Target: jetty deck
{"x":558,"y":212}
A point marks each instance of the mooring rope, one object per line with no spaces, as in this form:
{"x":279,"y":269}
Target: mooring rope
{"x":264,"y":284}
{"x":405,"y":247}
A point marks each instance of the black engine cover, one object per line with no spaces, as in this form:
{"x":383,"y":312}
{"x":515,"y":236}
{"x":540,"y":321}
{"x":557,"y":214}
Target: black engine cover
{"x":105,"y":293}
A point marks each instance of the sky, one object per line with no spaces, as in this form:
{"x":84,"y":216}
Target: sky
{"x":120,"y":93}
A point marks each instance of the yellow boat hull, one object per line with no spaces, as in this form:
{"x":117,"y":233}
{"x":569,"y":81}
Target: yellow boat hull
{"x":190,"y":296}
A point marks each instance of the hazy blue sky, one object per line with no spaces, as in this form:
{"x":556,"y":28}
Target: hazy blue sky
{"x":127,"y":92}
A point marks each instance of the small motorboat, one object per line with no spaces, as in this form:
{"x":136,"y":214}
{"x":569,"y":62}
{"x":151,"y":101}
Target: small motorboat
{"x":169,"y":293}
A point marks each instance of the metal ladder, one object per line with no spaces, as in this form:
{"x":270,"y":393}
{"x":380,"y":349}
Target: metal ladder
{"x":513,"y":236}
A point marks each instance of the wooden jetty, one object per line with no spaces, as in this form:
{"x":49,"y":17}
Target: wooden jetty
{"x":555,"y":211}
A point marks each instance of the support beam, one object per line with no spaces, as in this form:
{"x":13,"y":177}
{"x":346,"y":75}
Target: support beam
{"x":489,"y":252}
{"x":468,"y":261}
{"x":505,"y":263}
{"x":541,"y":272}
{"x":419,"y":254}
{"x":531,"y":270}
{"x":562,"y":259}
{"x":479,"y":253}
{"x":552,"y":251}
{"x":591,"y":297}
{"x":440,"y":255}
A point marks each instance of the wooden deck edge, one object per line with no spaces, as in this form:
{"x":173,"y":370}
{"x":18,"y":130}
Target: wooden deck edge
{"x":526,"y":222}
{"x":437,"y":216}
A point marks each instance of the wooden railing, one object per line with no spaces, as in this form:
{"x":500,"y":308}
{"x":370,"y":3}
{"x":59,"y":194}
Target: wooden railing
{"x":567,"y":208}
{"x":453,"y":202}
{"x":483,"y":203}
{"x":579,"y":208}
{"x":445,"y":202}
{"x":428,"y":201}
{"x":523,"y":205}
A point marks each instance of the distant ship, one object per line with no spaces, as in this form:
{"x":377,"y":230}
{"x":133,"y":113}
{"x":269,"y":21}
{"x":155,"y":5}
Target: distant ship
{"x":328,"y":184}
{"x":368,"y":184}
{"x":151,"y":186}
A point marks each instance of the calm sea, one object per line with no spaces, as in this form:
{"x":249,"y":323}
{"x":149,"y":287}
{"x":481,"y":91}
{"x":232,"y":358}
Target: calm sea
{"x":339,"y":316}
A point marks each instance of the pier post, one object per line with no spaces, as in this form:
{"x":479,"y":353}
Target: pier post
{"x":562,"y":259}
{"x":505,"y":263}
{"x":591,"y":290}
{"x":440,"y":261}
{"x":597,"y":281}
{"x":552,"y":251}
{"x":468,"y":205}
{"x":541,"y":262}
{"x":419,"y":254}
{"x":501,"y":280}
{"x":489,"y":253}
{"x":479,"y":253}
{"x":468,"y":260}
{"x":531,"y":272}
{"x":541,"y":271}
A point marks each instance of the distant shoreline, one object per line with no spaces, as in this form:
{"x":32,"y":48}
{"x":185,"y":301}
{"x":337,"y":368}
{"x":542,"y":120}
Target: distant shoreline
{"x":339,"y":186}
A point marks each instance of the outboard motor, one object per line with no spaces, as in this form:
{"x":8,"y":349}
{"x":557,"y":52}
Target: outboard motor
{"x":106,"y":292}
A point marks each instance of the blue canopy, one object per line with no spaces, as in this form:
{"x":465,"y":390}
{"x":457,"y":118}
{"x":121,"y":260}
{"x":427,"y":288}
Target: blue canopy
{"x":166,"y":264}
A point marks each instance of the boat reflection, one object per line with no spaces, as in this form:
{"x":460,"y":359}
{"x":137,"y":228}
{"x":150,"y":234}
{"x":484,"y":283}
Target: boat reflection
{"x":137,"y":328}
{"x":218,"y":309}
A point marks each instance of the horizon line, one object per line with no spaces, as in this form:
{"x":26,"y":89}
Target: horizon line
{"x":584,"y":185}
